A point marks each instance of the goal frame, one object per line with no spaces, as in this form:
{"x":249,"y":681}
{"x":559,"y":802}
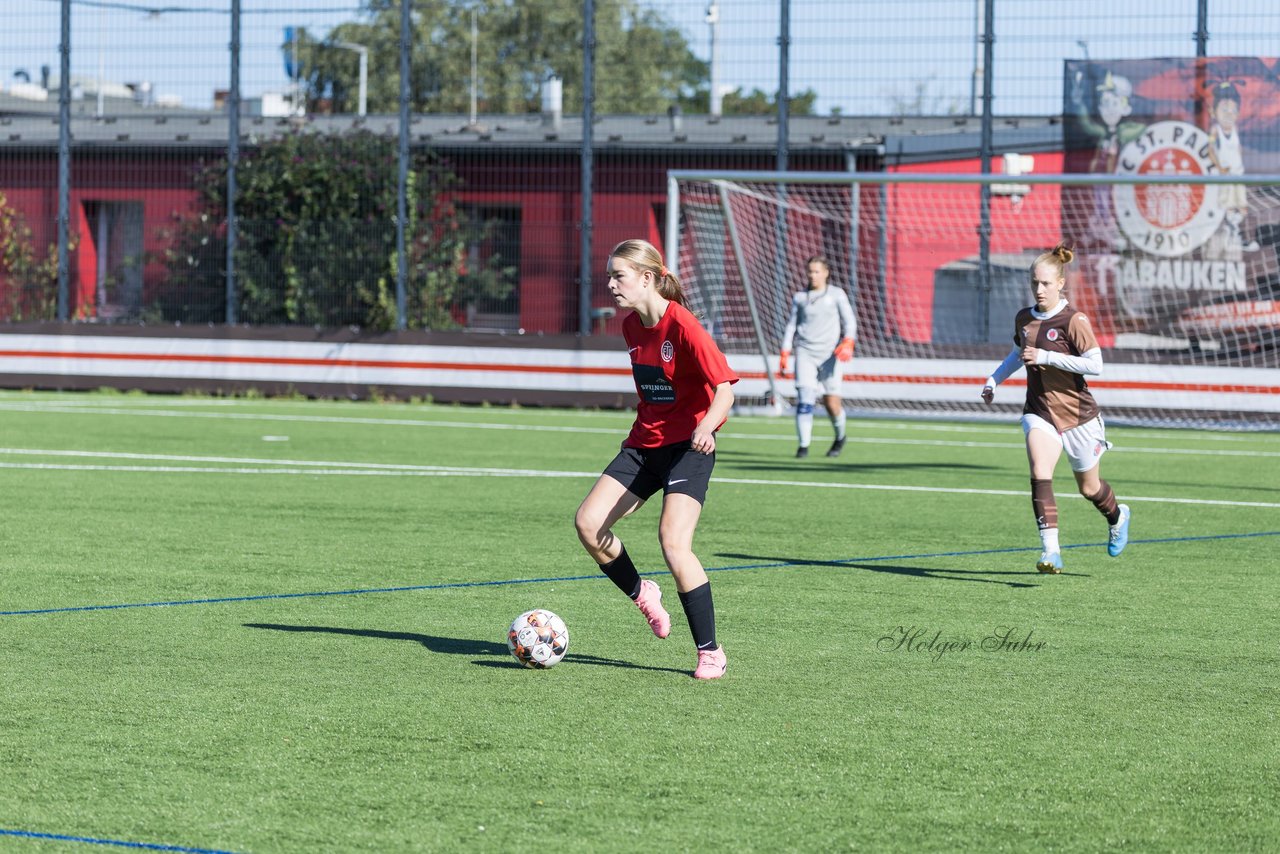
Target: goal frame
{"x":992,"y":186}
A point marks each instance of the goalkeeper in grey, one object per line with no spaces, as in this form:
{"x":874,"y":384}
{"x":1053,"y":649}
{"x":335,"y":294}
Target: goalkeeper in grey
{"x":820,"y":332}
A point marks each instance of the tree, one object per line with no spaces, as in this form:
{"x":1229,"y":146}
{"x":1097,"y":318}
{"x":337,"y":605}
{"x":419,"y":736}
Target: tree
{"x":643,"y":63}
{"x":316,"y":242}
{"x":924,"y":102}
{"x":757,"y":103}
{"x":29,"y":283}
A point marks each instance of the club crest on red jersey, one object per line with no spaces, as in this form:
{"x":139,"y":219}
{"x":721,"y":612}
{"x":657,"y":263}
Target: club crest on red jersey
{"x":668,"y":351}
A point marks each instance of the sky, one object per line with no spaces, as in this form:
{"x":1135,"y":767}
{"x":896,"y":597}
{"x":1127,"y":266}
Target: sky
{"x":858,"y":56}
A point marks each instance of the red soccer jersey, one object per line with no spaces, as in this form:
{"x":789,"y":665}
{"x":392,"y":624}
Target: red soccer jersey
{"x":676,"y":367}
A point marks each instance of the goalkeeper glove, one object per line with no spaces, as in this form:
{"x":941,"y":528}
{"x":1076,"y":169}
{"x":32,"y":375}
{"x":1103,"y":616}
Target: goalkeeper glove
{"x":844,"y":350}
{"x":782,"y":362}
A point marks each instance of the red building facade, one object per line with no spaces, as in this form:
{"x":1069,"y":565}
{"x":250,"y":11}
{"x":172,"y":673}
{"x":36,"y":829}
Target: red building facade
{"x":132,"y":183}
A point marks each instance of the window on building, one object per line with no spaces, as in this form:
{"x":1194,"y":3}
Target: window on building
{"x":115,"y":238}
{"x":490,"y":294}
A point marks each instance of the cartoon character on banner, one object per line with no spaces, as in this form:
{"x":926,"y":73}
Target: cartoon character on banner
{"x":1111,"y":132}
{"x":1224,"y":136}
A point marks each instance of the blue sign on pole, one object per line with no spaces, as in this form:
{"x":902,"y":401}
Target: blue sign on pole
{"x":289,"y":52}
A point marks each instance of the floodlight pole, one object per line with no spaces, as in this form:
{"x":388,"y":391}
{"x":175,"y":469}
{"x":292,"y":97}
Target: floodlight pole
{"x":362,"y":99}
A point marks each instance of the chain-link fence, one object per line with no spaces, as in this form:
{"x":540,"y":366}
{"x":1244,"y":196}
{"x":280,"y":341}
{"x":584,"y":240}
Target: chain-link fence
{"x":496,"y":191}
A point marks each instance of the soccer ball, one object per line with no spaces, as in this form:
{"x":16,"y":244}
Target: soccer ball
{"x":538,"y":638}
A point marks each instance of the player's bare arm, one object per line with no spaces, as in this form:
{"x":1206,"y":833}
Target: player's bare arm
{"x":704,"y":436}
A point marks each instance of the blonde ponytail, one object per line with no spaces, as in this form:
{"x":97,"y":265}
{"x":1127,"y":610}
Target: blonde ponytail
{"x":645,"y":257}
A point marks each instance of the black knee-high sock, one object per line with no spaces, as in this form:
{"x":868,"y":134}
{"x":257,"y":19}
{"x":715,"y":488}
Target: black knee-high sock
{"x":701,"y":614}
{"x":622,"y":572}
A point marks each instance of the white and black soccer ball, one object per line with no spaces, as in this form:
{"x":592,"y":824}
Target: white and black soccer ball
{"x":538,"y":638}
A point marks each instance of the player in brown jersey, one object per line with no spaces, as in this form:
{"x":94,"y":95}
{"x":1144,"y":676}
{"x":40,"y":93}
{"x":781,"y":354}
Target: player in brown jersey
{"x":1056,"y":344}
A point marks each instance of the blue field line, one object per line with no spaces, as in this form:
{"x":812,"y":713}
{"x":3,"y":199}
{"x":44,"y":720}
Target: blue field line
{"x":457,"y":585}
{"x":971,"y":553}
{"x":89,"y":840}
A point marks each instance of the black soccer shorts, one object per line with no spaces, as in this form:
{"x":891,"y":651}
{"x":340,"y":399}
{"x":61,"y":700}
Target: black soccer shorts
{"x":671,"y":468}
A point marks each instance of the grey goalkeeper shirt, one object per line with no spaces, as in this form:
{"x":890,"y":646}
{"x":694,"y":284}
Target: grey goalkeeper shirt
{"x":818,"y":321}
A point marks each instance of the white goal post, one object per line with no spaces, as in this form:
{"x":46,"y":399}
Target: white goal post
{"x":1181,"y":284}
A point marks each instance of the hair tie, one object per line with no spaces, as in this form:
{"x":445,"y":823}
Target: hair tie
{"x":665,"y":272}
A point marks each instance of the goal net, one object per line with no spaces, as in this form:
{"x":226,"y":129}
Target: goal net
{"x":1184,"y":296}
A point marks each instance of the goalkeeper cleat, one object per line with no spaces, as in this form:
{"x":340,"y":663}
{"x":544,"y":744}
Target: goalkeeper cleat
{"x":1050,"y":562}
{"x":1118,"y":534}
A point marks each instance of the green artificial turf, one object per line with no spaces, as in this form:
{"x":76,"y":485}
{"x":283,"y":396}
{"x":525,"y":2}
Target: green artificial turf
{"x":900,"y":677}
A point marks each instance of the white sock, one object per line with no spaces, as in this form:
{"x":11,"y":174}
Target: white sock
{"x":804,"y":428}
{"x":837,"y":421}
{"x":1049,"y":539}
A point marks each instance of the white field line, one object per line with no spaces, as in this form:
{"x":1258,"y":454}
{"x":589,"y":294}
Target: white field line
{"x":1188,"y":435}
{"x":330,"y":468}
{"x":143,"y":401}
{"x":476,"y":425}
{"x":305,"y":471}
{"x":22,"y":399}
{"x":19,"y":399}
{"x":309,"y":419}
{"x":300,"y":464}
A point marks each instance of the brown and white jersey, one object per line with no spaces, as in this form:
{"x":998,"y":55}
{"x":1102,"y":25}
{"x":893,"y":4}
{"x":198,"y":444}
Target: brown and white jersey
{"x":1059,"y":396}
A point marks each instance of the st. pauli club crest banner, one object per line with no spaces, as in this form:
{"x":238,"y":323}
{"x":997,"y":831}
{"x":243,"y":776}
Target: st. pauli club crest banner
{"x":1175,"y":261}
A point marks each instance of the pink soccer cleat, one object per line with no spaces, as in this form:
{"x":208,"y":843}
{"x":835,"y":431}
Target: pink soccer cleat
{"x":650,"y":604}
{"x":711,"y":663}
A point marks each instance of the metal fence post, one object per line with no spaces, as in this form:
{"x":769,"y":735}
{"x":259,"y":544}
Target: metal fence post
{"x":233,"y":159}
{"x":784,"y":83}
{"x":984,"y":227}
{"x":402,"y":189}
{"x":64,"y":161}
{"x":588,"y":163}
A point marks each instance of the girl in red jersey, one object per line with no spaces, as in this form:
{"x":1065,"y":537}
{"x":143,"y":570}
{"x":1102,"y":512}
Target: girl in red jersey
{"x":1056,"y":344}
{"x":685,"y":392}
